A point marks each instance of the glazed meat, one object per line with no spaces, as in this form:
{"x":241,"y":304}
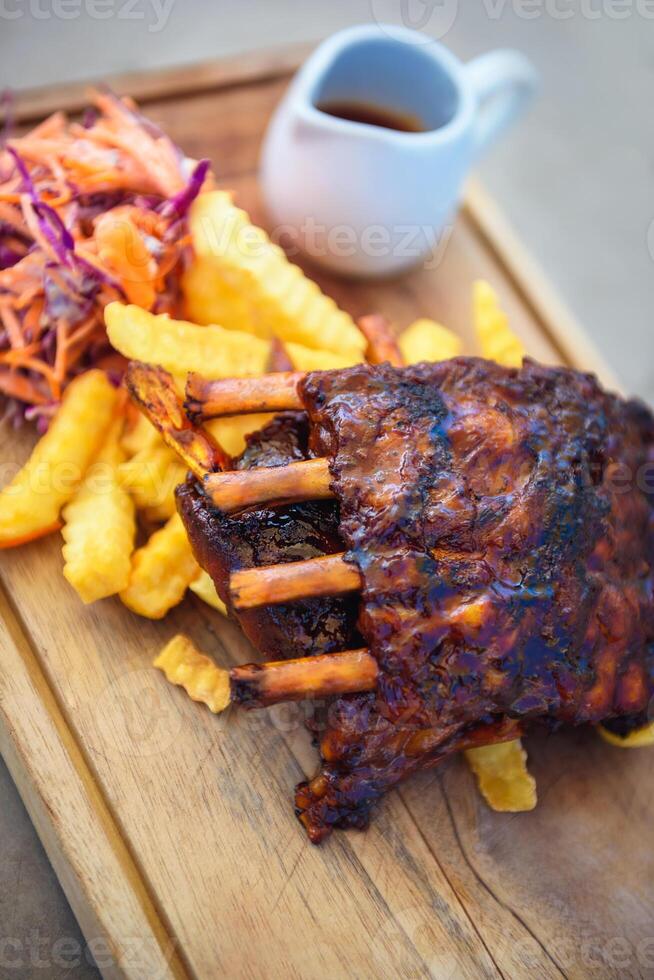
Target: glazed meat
{"x":498,"y":523}
{"x":501,"y":521}
{"x":223,"y":544}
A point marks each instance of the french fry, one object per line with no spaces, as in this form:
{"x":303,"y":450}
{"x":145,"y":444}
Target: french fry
{"x":138,"y":433}
{"x":502,"y":776}
{"x":210,"y":298}
{"x":245,"y":263}
{"x":426,"y":340}
{"x":162,"y":570}
{"x":314,"y":359}
{"x":150,"y":477}
{"x":31,"y":502}
{"x":230,"y":431}
{"x":181,"y":347}
{"x":204,"y":588}
{"x":99,"y":526}
{"x":184,"y":665}
{"x":640,"y":738}
{"x":496,"y":340}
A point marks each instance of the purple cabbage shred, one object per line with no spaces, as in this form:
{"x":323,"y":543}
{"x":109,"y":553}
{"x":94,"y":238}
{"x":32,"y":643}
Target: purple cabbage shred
{"x":178,"y":206}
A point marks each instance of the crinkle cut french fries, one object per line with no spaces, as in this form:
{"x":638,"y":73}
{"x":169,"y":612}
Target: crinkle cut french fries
{"x":245,"y":282}
{"x":204,"y":588}
{"x":184,"y":665}
{"x":640,"y":738}
{"x":150,"y":477}
{"x":30,"y":504}
{"x":231,"y":432}
{"x":138,"y":433}
{"x":100,"y":526}
{"x":502,"y":776}
{"x":162,"y":571}
{"x":211,"y":297}
{"x":497,"y":342}
{"x":317,"y":359}
{"x":426,"y":340}
{"x":182,"y":347}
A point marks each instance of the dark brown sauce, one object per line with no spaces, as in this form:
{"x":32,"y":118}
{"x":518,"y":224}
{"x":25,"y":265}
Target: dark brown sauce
{"x":373,"y":115}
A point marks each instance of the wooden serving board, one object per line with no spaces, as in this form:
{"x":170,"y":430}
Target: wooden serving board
{"x":173,"y":831}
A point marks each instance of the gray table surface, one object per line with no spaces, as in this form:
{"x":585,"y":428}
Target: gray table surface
{"x":575,"y":178}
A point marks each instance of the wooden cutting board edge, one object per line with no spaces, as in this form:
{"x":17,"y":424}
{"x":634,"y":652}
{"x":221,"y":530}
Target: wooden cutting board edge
{"x":80,"y":834}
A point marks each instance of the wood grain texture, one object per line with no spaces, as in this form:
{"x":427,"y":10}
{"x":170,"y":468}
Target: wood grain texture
{"x":176,"y":826}
{"x":82,"y":840}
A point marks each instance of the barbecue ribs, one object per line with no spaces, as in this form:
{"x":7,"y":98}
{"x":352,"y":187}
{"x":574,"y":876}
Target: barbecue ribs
{"x":267,"y":536}
{"x":501,"y":523}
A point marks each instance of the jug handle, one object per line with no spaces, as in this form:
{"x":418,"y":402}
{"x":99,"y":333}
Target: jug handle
{"x":503,"y":82}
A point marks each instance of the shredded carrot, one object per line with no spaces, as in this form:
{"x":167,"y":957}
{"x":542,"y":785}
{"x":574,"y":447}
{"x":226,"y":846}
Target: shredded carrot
{"x":34,"y":364}
{"x":75,"y":344}
{"x":33,"y":319}
{"x":12,"y":325}
{"x":17,"y":355}
{"x":89,"y":212}
{"x":59,"y":371}
{"x":22,"y":389}
{"x":32,"y":303}
{"x":125,"y":253}
{"x":54,"y":125}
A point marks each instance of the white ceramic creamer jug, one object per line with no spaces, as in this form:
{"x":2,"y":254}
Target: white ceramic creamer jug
{"x":368,"y":200}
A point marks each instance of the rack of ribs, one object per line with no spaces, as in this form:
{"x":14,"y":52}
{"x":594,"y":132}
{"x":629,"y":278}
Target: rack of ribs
{"x":266,"y":536}
{"x":495,"y":532}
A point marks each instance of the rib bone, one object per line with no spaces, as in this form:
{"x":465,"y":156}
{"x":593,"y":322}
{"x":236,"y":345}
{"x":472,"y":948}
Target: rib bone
{"x":273,"y":584}
{"x":348,"y":672}
{"x":237,"y":396}
{"x":307,"y":479}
